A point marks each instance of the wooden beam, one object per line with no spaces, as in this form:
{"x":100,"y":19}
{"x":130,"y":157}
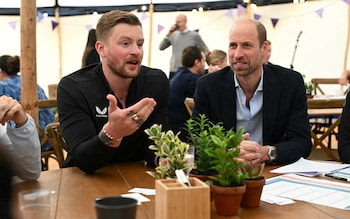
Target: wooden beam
{"x":29,"y":94}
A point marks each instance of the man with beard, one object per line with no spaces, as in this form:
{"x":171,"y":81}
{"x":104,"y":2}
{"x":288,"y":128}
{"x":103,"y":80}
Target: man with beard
{"x":104,"y":108}
{"x":268,"y":101}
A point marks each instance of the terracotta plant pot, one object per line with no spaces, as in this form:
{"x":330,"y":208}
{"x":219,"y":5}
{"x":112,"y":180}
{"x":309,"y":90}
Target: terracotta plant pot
{"x":252,"y":195}
{"x":227,"y":200}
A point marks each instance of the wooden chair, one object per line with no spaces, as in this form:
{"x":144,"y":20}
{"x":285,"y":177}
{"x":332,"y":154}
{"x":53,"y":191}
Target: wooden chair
{"x":55,"y":138}
{"x":45,"y":155}
{"x":320,"y":124}
{"x":319,"y":81}
{"x":189,"y":103}
{"x":324,"y":121}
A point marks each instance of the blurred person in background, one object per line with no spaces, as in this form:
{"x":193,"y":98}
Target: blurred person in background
{"x":10,"y":85}
{"x":180,"y":37}
{"x":90,"y":55}
{"x":183,"y":85}
{"x":216,"y":60}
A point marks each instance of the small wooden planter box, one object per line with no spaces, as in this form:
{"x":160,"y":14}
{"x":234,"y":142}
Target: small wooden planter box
{"x":175,"y":200}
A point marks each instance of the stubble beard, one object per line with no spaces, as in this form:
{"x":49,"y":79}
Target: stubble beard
{"x":252,"y":68}
{"x":123,"y":72}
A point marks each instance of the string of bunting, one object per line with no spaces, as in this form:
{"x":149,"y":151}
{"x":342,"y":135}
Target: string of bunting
{"x":229,"y":13}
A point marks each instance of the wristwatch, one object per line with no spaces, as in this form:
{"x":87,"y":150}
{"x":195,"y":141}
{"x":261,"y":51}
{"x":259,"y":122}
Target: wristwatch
{"x":272,"y":153}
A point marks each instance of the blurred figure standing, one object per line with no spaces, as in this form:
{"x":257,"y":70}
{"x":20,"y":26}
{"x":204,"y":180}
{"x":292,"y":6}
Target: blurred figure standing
{"x":180,"y":37}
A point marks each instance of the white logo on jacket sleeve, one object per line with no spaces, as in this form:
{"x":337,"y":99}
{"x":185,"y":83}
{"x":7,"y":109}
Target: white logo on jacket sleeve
{"x":101,"y":113}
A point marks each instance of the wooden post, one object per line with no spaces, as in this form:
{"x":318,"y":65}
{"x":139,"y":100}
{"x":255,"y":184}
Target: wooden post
{"x":249,"y":10}
{"x":29,"y":94}
{"x":58,"y":29}
{"x":151,"y":9}
{"x":347,"y":43}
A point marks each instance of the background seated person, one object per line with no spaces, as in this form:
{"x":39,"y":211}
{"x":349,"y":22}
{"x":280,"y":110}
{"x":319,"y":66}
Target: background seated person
{"x":344,"y":78}
{"x":216,"y":60}
{"x":10,"y":85}
{"x":183,"y":85}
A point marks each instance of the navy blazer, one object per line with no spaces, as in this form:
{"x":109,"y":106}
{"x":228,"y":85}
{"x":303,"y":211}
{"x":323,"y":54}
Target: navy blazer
{"x":344,"y":132}
{"x":285,"y":119}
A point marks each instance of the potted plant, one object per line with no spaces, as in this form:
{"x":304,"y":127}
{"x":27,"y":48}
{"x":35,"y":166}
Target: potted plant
{"x":309,"y":87}
{"x":170,"y":150}
{"x":228,"y":185}
{"x":254,"y":183}
{"x":199,"y":136}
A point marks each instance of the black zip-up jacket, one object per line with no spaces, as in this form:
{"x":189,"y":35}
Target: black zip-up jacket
{"x":82,"y":108}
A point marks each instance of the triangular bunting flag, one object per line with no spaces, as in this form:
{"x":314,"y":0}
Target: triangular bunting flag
{"x":54,"y":24}
{"x":229,"y":13}
{"x":347,"y":2}
{"x":240,"y":10}
{"x":88,"y":27}
{"x":40,"y":16}
{"x":13,"y":24}
{"x":144,"y":16}
{"x":274,"y":22}
{"x":319,"y":12}
{"x":160,"y":28}
{"x":257,"y":17}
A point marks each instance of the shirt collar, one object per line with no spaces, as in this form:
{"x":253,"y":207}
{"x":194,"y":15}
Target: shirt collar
{"x":260,"y":86}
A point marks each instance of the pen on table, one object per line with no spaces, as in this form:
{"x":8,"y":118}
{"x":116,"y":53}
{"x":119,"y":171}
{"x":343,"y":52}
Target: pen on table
{"x":338,"y":177}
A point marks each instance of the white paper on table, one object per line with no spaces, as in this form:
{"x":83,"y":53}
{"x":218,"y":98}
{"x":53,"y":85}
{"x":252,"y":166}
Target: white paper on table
{"x":140,"y":198}
{"x":310,"y":168}
{"x":273,"y":199}
{"x":144,"y":191}
{"x":317,"y":191}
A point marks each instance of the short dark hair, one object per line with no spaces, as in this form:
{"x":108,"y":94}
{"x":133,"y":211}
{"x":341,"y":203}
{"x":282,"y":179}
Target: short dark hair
{"x":190,"y":55}
{"x":261,"y":32}
{"x":112,"y":18}
{"x":10,"y":64}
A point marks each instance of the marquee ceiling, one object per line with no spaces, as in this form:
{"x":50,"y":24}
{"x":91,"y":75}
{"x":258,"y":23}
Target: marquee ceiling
{"x":79,"y":7}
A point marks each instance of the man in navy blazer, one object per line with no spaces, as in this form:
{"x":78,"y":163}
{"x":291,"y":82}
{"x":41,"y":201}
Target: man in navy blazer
{"x":268,"y":101}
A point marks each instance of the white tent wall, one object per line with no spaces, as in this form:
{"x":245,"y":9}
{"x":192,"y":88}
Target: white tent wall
{"x":320,"y":51}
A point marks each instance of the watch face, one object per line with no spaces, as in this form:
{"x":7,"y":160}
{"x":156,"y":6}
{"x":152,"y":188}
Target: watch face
{"x":272,"y":153}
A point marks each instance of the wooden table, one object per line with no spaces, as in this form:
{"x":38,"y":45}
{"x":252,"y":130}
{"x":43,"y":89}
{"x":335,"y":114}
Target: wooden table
{"x":327,"y":108}
{"x":75,"y":192}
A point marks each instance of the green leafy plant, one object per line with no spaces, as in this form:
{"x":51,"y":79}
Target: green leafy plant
{"x":199,"y":135}
{"x":223,"y":157}
{"x":309,"y":87}
{"x":170,"y":150}
{"x":253,"y":170}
